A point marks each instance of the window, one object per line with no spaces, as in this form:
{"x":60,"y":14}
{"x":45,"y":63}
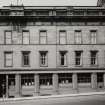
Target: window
{"x":84,"y":78}
{"x":63,"y":58}
{"x":26,"y":37}
{"x":27,"y":80}
{"x":43,"y":37}
{"x":25,"y":61}
{"x":78,"y":37}
{"x":43,"y":58}
{"x":62,"y":35}
{"x":93,"y":35}
{"x":11,"y":80}
{"x":45,"y":79}
{"x":93,"y":57}
{"x":8,"y":59}
{"x":100,"y":77}
{"x":65,"y":78}
{"x":78,"y":58}
{"x":8,"y":37}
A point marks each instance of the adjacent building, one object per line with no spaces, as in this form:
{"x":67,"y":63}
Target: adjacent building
{"x":47,"y":50}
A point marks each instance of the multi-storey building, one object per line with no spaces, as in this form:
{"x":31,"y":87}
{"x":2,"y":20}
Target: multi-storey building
{"x":48,"y":50}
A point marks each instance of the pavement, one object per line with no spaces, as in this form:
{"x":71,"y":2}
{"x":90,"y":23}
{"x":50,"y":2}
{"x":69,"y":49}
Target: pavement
{"x":52,"y":96}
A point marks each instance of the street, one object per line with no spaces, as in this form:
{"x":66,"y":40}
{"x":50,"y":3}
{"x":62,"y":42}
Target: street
{"x":80,"y":100}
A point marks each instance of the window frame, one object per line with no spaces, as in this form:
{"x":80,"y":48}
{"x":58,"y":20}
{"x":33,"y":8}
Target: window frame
{"x":80,"y":58}
{"x":60,"y":37}
{"x":5,"y":37}
{"x":65,"y":59}
{"x":27,"y":52}
{"x":8,"y":52}
{"x":96,"y":58}
{"x":75,"y":36}
{"x":42,"y":36}
{"x":46,"y":59}
{"x":93,"y":37}
{"x":23,"y":37}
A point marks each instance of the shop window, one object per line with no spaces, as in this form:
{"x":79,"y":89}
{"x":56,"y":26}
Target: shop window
{"x":84,"y":78}
{"x":11,"y":80}
{"x":100,"y":77}
{"x":46,"y":79}
{"x":65,"y":78}
{"x":27,"y":79}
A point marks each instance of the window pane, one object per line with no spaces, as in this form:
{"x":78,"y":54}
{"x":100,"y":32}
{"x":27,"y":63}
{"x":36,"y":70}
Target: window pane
{"x":63,"y":58}
{"x":78,"y":37}
{"x":93,"y":57}
{"x":8,"y":59}
{"x":26,"y":37}
{"x":43,"y":37}
{"x":8,"y":36}
{"x":43,"y":58}
{"x":78,"y":59}
{"x":25,"y":58}
{"x":62,"y":37}
{"x":93,"y":37}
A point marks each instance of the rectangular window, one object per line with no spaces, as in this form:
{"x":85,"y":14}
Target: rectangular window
{"x":84,"y":78}
{"x":8,"y":37}
{"x":93,"y":57}
{"x":78,"y":37}
{"x":8,"y":59}
{"x":43,"y":58}
{"x":26,"y":37}
{"x":62,"y":35}
{"x":78,"y":58}
{"x":27,"y":80}
{"x":65,"y":78}
{"x":63,"y":58}
{"x":45,"y":79}
{"x":25,"y":58}
{"x":93,"y":35}
{"x":43,"y":37}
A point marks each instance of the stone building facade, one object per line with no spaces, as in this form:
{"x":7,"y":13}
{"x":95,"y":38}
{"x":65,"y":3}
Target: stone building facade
{"x":47,"y":50}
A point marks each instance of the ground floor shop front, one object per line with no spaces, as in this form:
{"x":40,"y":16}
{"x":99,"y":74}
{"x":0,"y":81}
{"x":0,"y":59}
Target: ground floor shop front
{"x":34,"y":84}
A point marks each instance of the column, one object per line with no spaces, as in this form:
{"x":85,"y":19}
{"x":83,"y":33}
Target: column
{"x":94,"y":80}
{"x":74,"y":79}
{"x":104,"y":79}
{"x":55,"y":83}
{"x":36,"y":82}
{"x":17,"y":85}
{"x":7,"y":90}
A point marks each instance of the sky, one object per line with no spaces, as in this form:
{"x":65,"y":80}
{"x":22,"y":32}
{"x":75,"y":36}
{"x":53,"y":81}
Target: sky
{"x":50,"y":2}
